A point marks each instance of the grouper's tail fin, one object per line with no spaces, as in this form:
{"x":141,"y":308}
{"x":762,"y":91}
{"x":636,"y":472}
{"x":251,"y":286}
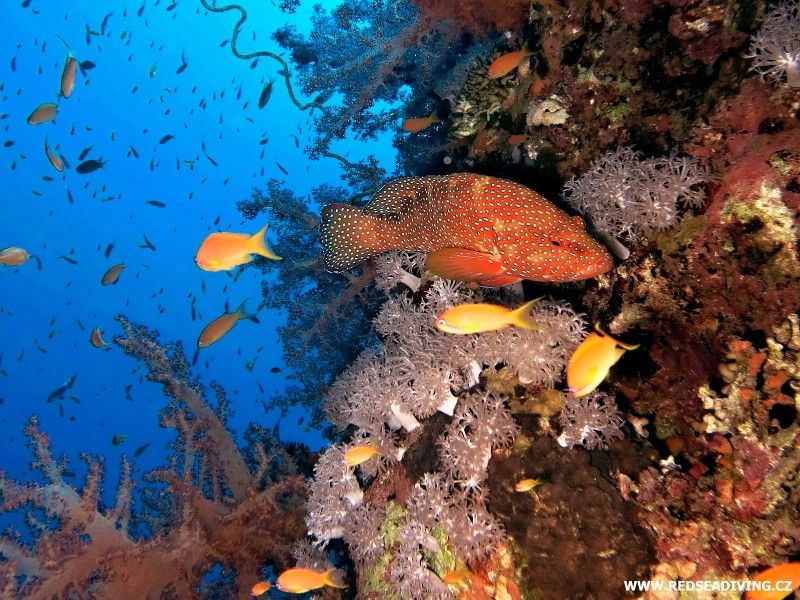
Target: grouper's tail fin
{"x":349,"y":237}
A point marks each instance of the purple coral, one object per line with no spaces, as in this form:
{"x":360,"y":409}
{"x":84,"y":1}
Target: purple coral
{"x":592,"y":421}
{"x":775,"y":49}
{"x":623,"y":193}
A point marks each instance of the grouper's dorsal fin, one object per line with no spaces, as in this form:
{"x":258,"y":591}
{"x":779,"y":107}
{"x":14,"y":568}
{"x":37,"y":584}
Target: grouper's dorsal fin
{"x":397,"y":198}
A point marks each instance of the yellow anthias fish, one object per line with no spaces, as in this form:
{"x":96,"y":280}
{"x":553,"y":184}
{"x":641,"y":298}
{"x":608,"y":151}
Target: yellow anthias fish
{"x":223,"y":251}
{"x":787,"y":573}
{"x":222,"y":325}
{"x":13,"y":256}
{"x":526,"y":485}
{"x":589,"y":364}
{"x":360,"y":454}
{"x":478,"y":318}
{"x":299,"y":581}
{"x":261,"y":588}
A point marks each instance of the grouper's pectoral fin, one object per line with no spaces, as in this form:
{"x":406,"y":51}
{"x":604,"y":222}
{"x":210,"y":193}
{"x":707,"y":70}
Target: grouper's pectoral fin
{"x":464,"y":265}
{"x":500,"y":280}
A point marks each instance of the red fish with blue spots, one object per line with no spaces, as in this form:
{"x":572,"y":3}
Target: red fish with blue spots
{"x":473,"y":228}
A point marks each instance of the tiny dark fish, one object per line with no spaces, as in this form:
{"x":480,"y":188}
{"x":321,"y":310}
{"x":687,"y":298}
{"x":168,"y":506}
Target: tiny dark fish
{"x":140,"y":450}
{"x":275,"y":370}
{"x":89,"y":166}
{"x":183,"y":66}
{"x":147,"y":244}
{"x":211,"y":160}
{"x":282,"y":169}
{"x":118,"y":439}
{"x":58,"y":393}
{"x":71,"y":261}
{"x":265,"y":94}
{"x":84,"y":153}
{"x":109,"y":248}
{"x":133,"y":151}
{"x":166,"y":138}
{"x":86,"y":65}
{"x":156,"y":203}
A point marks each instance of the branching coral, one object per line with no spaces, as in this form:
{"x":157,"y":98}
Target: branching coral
{"x":328,"y":314}
{"x":775,"y":49}
{"x":217,"y":511}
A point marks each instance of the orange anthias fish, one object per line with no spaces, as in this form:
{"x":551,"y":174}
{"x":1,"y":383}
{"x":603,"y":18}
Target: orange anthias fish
{"x":457,"y":577}
{"x":13,"y":256}
{"x":473,"y":227}
{"x":503,"y":65}
{"x":591,"y":361}
{"x":222,"y":325}
{"x":787,"y":573}
{"x":223,"y":251}
{"x":42,"y":113}
{"x":54,"y":159}
{"x":417,"y":124}
{"x":112,"y":275}
{"x":360,"y":454}
{"x":96,"y":338}
{"x":478,"y":318}
{"x":299,"y":581}
{"x":261,"y":588}
{"x":68,"y":76}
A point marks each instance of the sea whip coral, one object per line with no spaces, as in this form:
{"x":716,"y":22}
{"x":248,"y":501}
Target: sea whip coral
{"x":775,"y":49}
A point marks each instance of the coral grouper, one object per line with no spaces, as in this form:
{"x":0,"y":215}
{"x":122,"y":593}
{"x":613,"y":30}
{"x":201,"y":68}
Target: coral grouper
{"x":474,"y":228}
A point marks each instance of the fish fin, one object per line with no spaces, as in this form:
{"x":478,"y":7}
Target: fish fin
{"x":463,"y":264}
{"x":259,"y":245}
{"x":521,"y":316}
{"x":434,"y":116}
{"x":395,"y":199}
{"x":619,"y":344}
{"x":240,"y":314}
{"x":627,"y":346}
{"x":334,"y":578}
{"x":500,"y":280}
{"x":348,"y":237}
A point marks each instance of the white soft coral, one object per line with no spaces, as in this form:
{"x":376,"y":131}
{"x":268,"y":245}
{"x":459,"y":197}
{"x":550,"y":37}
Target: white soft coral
{"x":775,"y":49}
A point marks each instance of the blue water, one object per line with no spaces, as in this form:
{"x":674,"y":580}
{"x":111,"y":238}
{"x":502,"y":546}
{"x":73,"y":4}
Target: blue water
{"x":117,"y":105}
